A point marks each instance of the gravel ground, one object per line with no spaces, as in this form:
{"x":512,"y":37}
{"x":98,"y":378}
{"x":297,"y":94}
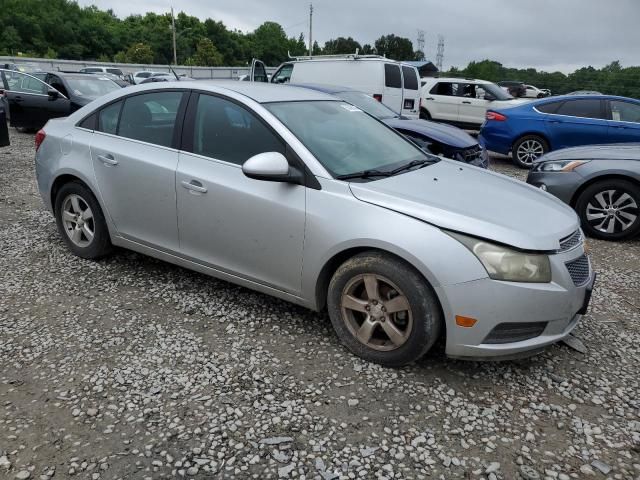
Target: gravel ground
{"x":133,"y":368}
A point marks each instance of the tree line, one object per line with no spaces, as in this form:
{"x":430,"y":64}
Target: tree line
{"x":63,"y":29}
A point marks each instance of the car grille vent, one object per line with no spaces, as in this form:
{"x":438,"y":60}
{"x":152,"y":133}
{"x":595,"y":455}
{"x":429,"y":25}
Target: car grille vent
{"x":571,"y":242}
{"x":515,"y":332}
{"x":473,"y":153}
{"x":579,"y":270}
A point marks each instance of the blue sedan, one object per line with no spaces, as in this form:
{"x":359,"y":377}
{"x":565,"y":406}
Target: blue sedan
{"x":436,"y":138}
{"x":530,"y":130}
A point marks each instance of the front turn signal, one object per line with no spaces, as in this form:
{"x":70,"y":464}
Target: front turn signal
{"x":466,"y":322}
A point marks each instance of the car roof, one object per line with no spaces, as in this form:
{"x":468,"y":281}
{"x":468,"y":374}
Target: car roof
{"x":558,"y":98}
{"x":258,"y":91}
{"x":454,"y":80}
{"x":78,"y":75}
{"x":614,"y":151}
{"x":330,"y":89}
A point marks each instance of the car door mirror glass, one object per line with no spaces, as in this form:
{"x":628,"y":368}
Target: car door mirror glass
{"x":53,"y":93}
{"x":270,"y":166}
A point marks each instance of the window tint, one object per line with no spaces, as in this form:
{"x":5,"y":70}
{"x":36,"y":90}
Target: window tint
{"x":410,"y":78}
{"x":89,"y":122}
{"x":445,"y":88}
{"x":392,"y":76}
{"x":115,"y":71}
{"x":625,"y":111}
{"x":283,"y":75}
{"x":226,"y":131}
{"x":143,"y":74}
{"x":581,"y":108}
{"x":151,"y":117}
{"x":19,"y":82}
{"x":108,"y":118}
{"x":551,"y":107}
{"x":57,"y":83}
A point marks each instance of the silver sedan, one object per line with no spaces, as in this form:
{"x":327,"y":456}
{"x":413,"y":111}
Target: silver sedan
{"x":302,"y":196}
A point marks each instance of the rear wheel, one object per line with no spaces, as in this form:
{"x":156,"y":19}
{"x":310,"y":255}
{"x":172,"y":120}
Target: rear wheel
{"x":527,"y":149}
{"x":424,"y":114}
{"x":383,"y":310}
{"x":610,"y":209}
{"x":81,"y":222}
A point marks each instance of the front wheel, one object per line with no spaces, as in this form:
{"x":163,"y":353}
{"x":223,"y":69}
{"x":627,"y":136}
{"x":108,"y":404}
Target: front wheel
{"x":528,"y":149}
{"x":610,"y":209}
{"x":424,"y":114}
{"x":383,"y":310}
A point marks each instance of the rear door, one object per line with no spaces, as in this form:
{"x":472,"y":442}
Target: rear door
{"x":624,"y":123}
{"x":258,"y":71}
{"x":443,"y":102}
{"x":392,"y":90}
{"x":582,"y":121}
{"x":411,"y":91}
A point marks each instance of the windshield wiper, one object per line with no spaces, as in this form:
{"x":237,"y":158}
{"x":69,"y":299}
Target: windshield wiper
{"x":364,"y":174}
{"x":413,"y":163}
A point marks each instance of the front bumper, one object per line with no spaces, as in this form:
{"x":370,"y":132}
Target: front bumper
{"x":562,"y":185}
{"x":558,"y":306}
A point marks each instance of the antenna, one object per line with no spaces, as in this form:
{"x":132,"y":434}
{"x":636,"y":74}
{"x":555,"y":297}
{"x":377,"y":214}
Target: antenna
{"x":421,"y":42}
{"x":440,"y":54}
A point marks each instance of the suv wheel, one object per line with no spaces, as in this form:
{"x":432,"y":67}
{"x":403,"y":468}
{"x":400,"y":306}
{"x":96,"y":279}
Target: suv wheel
{"x":383,"y":310}
{"x":527,"y":149}
{"x":610,"y":209}
{"x":424,"y":114}
{"x":81,"y":222}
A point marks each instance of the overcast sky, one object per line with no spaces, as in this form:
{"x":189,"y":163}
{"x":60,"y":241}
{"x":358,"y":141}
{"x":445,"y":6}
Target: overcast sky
{"x":545,"y":34}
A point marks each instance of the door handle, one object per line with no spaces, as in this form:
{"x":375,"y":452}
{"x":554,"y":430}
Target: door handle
{"x":466,"y":102}
{"x":108,"y":160}
{"x":194,"y":186}
{"x":429,"y":98}
{"x":17,"y":99}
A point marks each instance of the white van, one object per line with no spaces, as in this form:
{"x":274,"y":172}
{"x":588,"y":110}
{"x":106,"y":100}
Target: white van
{"x":393,"y":83}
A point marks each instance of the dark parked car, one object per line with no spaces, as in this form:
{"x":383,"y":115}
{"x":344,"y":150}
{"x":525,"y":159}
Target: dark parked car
{"x":601,"y":182}
{"x":32,"y":102}
{"x":534,"y":128}
{"x":4,"y":132}
{"x":516,"y":89}
{"x":437,"y":138}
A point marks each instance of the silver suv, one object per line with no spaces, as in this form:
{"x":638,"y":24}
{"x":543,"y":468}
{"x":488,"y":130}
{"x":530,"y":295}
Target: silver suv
{"x":302,"y":196}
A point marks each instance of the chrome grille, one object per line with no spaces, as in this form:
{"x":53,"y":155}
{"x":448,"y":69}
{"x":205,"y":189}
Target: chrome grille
{"x":579,"y":270}
{"x":571,"y":242}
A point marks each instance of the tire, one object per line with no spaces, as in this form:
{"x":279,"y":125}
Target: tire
{"x":414,"y":329}
{"x":624,"y":216}
{"x":424,"y":114}
{"x":527,"y":149}
{"x":75,"y":200}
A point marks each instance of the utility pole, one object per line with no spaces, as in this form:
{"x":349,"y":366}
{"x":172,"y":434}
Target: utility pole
{"x":173,"y":28}
{"x":310,"y":29}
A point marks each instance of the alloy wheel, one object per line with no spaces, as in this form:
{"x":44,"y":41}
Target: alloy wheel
{"x":529,"y":150}
{"x":376,"y":312}
{"x":612,"y":211}
{"x":77,"y":219}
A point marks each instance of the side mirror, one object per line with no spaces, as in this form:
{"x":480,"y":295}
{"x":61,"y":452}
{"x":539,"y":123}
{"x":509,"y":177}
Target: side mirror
{"x":489,"y":96}
{"x":272,"y":167}
{"x":53,"y":93}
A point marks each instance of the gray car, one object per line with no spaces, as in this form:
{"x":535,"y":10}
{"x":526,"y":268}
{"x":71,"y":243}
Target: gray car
{"x":602,"y":183}
{"x":302,"y":196}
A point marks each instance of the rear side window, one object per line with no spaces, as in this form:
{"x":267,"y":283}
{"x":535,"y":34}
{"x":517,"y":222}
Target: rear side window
{"x":392,"y":77}
{"x":108,"y":118}
{"x":89,"y":123}
{"x":625,"y":111}
{"x":551,"y":107}
{"x":445,"y":88}
{"x":410,"y":78}
{"x":226,"y":131}
{"x":150,"y":118}
{"x":586,"y":108}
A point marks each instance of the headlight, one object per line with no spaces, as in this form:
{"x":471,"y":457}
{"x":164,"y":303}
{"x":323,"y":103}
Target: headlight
{"x":506,"y":264}
{"x":559,"y":166}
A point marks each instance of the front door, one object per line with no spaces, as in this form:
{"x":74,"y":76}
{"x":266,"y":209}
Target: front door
{"x":250,"y":228}
{"x":135,"y":166}
{"x":578,"y":122}
{"x":473,"y":106}
{"x":258,"y":71}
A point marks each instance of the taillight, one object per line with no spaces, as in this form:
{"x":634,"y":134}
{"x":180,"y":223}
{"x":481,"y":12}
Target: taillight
{"x":40,"y":136}
{"x":377,"y":96}
{"x":498,"y":117}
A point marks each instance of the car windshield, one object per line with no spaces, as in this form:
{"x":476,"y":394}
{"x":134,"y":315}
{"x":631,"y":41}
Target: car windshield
{"x":345,"y":139}
{"x":368,"y":104}
{"x":93,"y":87}
{"x":496,"y":91}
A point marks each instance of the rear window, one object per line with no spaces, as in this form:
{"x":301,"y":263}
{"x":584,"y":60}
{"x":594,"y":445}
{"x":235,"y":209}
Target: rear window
{"x":410,"y":78}
{"x":392,"y":77}
{"x":581,"y":108}
{"x":551,"y":107}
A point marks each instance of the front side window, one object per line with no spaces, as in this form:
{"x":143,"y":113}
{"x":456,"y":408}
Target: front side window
{"x":625,"y":111}
{"x":392,"y":77}
{"x":410,"y":78}
{"x":150,"y":117}
{"x":283,"y":75}
{"x":344,"y":138}
{"x":108,"y":118}
{"x":23,"y":83}
{"x":226,"y":131}
{"x":581,"y":108}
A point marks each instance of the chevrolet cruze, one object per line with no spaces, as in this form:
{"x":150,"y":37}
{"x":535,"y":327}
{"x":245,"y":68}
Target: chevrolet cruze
{"x":302,"y":196}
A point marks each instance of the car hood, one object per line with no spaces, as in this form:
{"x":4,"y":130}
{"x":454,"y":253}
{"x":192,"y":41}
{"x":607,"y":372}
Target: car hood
{"x":476,"y":202}
{"x":439,"y":132}
{"x":621,"y":151}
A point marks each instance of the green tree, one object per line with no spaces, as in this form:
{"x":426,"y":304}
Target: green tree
{"x":139,"y":53}
{"x":341,"y":45}
{"x":394,"y":47}
{"x":269,"y":43}
{"x":207,"y":55}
